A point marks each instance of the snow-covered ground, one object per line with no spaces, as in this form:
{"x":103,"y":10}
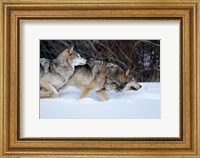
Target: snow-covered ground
{"x":141,"y":104}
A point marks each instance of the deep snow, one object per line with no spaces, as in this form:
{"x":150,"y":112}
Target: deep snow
{"x":141,"y":104}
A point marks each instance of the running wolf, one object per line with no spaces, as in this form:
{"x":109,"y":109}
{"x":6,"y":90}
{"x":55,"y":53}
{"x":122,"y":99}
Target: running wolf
{"x":101,"y":76}
{"x":54,"y":74}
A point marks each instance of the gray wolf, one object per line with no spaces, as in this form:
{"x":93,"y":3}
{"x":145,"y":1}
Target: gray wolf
{"x":56,"y":73}
{"x":101,"y":76}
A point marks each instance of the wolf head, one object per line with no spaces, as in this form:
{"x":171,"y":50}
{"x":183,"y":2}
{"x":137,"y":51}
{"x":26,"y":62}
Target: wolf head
{"x":119,"y":80}
{"x":128,"y":83}
{"x":72,"y":57}
{"x":131,"y":85}
{"x":75,"y":57}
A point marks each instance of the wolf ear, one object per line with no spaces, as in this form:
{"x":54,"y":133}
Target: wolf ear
{"x":127,"y":72}
{"x":72,"y":48}
{"x":68,"y":52}
{"x":124,"y":75}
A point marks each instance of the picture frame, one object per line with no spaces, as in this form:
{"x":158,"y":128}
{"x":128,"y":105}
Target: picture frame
{"x":187,"y":145}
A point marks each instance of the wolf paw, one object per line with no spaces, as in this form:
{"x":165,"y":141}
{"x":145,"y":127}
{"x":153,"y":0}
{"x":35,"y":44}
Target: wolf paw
{"x":53,"y":94}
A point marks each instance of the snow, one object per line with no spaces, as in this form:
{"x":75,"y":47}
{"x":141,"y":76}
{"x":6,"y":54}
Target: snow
{"x":141,"y":104}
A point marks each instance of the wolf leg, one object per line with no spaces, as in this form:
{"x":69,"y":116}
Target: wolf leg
{"x":45,"y":94}
{"x":63,"y":87}
{"x":102,"y":94}
{"x":50,"y":90}
{"x":84,"y":92}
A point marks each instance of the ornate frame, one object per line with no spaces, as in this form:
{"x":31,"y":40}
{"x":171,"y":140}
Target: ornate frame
{"x":13,"y":11}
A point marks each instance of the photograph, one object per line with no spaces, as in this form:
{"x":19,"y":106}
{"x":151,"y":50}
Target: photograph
{"x":100,"y":79}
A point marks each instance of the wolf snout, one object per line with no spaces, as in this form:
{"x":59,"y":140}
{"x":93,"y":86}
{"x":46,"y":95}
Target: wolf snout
{"x":84,"y":61}
{"x":135,"y":88}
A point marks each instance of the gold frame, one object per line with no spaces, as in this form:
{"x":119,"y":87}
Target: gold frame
{"x":13,"y":11}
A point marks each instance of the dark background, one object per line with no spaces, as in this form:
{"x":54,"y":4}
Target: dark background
{"x":142,"y":57}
